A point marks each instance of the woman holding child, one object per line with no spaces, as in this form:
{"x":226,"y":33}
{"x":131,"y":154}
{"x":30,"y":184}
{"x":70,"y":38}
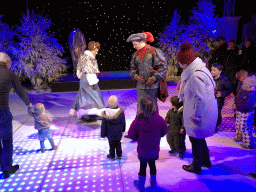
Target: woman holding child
{"x":200,"y":106}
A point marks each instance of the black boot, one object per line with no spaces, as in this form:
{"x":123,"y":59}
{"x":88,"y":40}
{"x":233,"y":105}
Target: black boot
{"x":6,"y":174}
{"x":195,"y":167}
{"x":206,"y":159}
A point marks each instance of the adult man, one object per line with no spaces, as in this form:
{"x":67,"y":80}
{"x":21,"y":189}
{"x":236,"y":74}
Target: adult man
{"x":8,"y":80}
{"x":148,"y":67}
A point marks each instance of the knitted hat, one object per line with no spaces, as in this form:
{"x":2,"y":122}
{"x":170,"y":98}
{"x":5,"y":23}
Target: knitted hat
{"x":185,"y":55}
{"x":250,"y":83}
{"x":93,"y":45}
{"x":146,"y":36}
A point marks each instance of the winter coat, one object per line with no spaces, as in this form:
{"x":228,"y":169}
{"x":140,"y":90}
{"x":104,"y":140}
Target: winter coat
{"x":113,"y":124}
{"x":174,"y":119}
{"x":224,"y":87}
{"x":199,"y":103}
{"x":42,"y":121}
{"x":147,"y":131}
{"x":245,"y":101}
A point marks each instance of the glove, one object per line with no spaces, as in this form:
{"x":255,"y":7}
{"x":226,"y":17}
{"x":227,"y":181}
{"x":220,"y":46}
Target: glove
{"x":139,"y":78}
{"x":150,"y":81}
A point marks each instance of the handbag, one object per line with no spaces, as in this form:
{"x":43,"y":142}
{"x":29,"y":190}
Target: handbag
{"x":162,"y":90}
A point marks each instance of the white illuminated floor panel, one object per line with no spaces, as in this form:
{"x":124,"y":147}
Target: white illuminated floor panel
{"x":80,"y":163}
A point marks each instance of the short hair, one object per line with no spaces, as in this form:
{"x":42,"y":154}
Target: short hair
{"x":39,"y":109}
{"x":112,"y":101}
{"x":218,"y":66}
{"x":251,"y":41}
{"x":4,"y":58}
{"x":232,"y":41}
{"x":175,"y":102}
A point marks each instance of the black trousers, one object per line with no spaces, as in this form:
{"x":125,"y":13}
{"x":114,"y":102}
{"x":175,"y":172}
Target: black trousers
{"x":200,"y":150}
{"x":115,"y":148}
{"x":143,"y":167}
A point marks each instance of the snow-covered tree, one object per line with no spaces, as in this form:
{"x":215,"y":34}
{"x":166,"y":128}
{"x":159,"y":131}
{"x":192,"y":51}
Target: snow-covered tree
{"x":6,"y":38}
{"x":38,"y":57}
{"x":202,"y":25}
{"x":203,"y":21}
{"x":170,"y":40}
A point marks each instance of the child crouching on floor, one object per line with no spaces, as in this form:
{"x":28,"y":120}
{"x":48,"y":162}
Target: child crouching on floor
{"x":245,"y":101}
{"x":112,"y":126}
{"x":176,"y":134}
{"x":42,"y":124}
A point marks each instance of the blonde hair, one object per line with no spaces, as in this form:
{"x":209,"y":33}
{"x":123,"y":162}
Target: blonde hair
{"x":39,"y":109}
{"x":112,"y":101}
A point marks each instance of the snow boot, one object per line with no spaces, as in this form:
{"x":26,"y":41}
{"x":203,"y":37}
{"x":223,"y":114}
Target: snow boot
{"x":140,"y":184}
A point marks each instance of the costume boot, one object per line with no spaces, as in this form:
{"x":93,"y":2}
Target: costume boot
{"x":153,"y":182}
{"x":140,"y":184}
{"x":195,"y":167}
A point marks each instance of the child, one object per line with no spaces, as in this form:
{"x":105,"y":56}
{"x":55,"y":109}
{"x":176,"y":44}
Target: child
{"x":147,"y":129}
{"x":223,"y":89}
{"x":176,"y":131}
{"x":42,"y":124}
{"x":245,"y":100}
{"x":113,"y":126}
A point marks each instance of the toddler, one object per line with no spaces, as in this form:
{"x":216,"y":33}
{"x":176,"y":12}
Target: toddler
{"x":113,"y":126}
{"x":176,"y":131}
{"x":42,"y":124}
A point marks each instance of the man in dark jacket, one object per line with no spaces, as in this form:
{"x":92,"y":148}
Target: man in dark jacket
{"x":7,"y":81}
{"x":113,"y":126}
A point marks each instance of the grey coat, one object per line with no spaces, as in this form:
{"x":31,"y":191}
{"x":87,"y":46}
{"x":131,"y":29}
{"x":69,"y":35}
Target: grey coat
{"x":199,"y":103}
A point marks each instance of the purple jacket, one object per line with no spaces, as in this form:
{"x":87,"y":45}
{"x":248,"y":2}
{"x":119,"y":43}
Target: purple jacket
{"x":148,"y":133}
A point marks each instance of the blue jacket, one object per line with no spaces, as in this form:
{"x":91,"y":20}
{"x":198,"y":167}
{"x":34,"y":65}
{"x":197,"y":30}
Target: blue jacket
{"x":113,"y":124}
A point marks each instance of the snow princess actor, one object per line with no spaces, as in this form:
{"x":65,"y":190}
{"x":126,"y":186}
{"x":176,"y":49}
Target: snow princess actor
{"x":89,"y":97}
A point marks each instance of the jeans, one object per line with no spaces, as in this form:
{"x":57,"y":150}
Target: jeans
{"x":6,"y":140}
{"x":45,"y":133}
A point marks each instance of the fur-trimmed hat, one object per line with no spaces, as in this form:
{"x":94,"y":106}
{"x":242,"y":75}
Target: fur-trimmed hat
{"x":93,"y":45}
{"x":145,"y":36}
{"x":185,"y":55}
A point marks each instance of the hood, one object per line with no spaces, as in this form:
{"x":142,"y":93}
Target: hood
{"x":147,"y":122}
{"x":112,"y":115}
{"x":197,"y":64}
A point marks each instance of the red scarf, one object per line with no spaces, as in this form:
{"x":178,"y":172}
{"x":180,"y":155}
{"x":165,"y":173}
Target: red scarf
{"x":143,"y":51}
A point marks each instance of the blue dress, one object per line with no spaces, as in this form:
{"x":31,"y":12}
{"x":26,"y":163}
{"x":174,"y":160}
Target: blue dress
{"x":89,"y":95}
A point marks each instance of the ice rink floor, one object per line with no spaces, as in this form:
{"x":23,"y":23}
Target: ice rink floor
{"x":80,"y":163}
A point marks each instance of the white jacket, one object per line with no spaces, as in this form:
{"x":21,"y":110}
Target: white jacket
{"x":200,"y":105}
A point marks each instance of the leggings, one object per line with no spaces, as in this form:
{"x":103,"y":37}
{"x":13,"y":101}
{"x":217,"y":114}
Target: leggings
{"x":143,"y":167}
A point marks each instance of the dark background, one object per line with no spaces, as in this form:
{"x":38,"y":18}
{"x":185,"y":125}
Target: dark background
{"x":111,"y":22}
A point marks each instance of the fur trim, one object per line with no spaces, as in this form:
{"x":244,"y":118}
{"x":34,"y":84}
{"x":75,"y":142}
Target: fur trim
{"x":103,"y":114}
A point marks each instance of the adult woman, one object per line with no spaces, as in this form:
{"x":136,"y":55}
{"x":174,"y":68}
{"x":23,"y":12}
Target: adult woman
{"x":200,"y":106}
{"x":89,"y":95}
